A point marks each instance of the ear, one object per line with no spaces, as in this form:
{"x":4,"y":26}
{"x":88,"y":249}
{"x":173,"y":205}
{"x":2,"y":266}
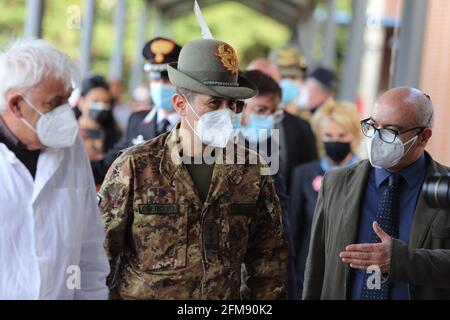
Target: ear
{"x":13,"y":99}
{"x":425,"y":136}
{"x":179,"y":104}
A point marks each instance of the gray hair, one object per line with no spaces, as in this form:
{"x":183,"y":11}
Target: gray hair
{"x":26,"y":62}
{"x":189,"y":94}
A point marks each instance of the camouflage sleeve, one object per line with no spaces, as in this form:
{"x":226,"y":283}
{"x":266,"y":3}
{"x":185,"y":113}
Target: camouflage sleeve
{"x":116,"y":206}
{"x":267,"y":253}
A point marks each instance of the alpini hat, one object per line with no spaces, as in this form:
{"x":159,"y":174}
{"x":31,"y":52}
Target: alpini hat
{"x":210,"y":67}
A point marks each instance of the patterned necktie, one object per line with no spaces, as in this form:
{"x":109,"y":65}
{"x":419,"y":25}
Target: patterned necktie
{"x":387,"y":218}
{"x":163,"y":126}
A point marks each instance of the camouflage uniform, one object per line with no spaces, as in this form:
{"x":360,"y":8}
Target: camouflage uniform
{"x":175,"y":246}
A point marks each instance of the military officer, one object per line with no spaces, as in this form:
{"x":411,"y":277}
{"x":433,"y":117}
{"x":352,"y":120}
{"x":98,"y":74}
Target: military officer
{"x":179,"y":226}
{"x":144,"y":124}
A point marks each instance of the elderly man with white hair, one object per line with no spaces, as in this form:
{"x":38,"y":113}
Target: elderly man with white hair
{"x":51,"y":235}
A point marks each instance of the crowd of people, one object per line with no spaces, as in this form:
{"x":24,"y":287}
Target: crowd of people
{"x":166,"y":202}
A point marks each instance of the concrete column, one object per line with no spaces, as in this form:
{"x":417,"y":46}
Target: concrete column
{"x":408,"y":58}
{"x":87,"y":30}
{"x":354,"y":51}
{"x":136,"y":72}
{"x":33,"y":22}
{"x":330,"y":36}
{"x":116,"y":62}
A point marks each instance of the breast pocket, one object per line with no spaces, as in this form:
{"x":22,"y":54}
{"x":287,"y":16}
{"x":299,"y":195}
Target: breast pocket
{"x":160,"y":236}
{"x":235,"y":231}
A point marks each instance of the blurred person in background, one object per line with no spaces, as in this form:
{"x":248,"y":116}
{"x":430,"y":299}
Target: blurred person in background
{"x":296,"y":139}
{"x":318,"y":88}
{"x":259,"y":117}
{"x":266,"y":66}
{"x":141,"y":99}
{"x":337,"y":127}
{"x":292,"y":67}
{"x":145,"y":125}
{"x":98,"y":128}
{"x":121,"y":111}
{"x":51,"y":236}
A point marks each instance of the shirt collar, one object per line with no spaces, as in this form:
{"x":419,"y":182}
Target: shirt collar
{"x":326,"y":165}
{"x":173,"y":117}
{"x":413,"y":174}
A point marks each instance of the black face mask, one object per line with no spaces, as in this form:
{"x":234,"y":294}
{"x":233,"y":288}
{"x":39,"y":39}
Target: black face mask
{"x":100,"y":116}
{"x":337,"y":151}
{"x":100,"y":112}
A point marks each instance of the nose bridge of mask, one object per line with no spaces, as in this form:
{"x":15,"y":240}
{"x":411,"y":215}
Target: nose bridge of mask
{"x":97,"y":105}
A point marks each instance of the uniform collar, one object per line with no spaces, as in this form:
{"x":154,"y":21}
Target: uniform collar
{"x":412,"y":174}
{"x":171,"y":160}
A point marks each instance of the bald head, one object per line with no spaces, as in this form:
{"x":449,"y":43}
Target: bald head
{"x":266,"y":66}
{"x":406,"y":107}
{"x":409,"y":112}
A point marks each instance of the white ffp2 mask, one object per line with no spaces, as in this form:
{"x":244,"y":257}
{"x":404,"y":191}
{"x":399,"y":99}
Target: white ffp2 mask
{"x":213,"y":128}
{"x":57,"y":128}
{"x":387,"y":155}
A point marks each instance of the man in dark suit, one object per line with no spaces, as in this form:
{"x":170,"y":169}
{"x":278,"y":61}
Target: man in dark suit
{"x":144,"y":125}
{"x":373,"y":235}
{"x":297,"y":145}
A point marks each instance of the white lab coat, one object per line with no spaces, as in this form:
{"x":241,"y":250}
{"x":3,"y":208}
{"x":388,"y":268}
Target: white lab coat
{"x":51,"y":233}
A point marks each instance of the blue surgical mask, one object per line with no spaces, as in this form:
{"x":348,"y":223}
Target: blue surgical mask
{"x":236,"y":119}
{"x":259,"y":128}
{"x":290,"y":91}
{"x":162,"y":96}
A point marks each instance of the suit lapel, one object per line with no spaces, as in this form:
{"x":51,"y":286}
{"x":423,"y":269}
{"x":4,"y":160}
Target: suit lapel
{"x":424,"y":215}
{"x":150,"y":129}
{"x":354,"y":187}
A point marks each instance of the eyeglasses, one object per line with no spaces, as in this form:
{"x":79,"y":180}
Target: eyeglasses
{"x":387,"y":135}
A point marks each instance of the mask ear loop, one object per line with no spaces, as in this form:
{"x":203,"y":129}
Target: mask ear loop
{"x":32,"y":105}
{"x":189,"y":124}
{"x":409,"y":141}
{"x":35,"y":109}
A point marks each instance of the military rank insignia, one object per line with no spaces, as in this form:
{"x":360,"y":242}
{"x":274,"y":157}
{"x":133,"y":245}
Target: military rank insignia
{"x":228,"y":58}
{"x":160,"y":48}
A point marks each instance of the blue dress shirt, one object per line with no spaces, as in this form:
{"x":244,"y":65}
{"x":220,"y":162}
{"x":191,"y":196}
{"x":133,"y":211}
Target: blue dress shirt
{"x":414,"y":177}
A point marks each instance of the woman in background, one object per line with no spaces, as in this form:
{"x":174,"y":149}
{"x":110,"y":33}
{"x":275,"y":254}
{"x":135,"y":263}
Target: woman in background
{"x":97,"y":125}
{"x":337,"y":127}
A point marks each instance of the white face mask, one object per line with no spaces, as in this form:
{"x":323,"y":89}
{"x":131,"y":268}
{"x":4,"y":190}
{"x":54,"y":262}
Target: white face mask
{"x":387,"y":155}
{"x":57,"y":128}
{"x":213,"y":128}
